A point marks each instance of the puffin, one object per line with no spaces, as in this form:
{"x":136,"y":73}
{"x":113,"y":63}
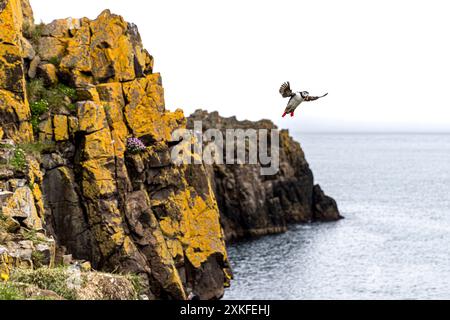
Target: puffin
{"x":296,"y":98}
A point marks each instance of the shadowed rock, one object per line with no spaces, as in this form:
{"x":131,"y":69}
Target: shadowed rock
{"x":252,"y":204}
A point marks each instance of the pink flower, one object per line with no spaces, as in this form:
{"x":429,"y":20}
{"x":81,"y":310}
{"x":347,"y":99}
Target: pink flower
{"x":135,"y":145}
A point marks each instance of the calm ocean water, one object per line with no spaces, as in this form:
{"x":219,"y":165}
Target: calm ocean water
{"x":394,"y":190}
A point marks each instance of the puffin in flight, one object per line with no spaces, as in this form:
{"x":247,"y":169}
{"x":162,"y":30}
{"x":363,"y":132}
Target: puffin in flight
{"x":295,"y":98}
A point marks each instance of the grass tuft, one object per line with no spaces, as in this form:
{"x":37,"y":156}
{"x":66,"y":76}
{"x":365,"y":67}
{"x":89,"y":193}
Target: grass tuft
{"x":37,"y":148}
{"x":19,"y":161}
{"x":43,"y":100}
{"x":55,"y":61}
{"x":10,"y":292}
{"x":53,"y":279}
{"x":33,"y":32}
{"x":136,"y":281}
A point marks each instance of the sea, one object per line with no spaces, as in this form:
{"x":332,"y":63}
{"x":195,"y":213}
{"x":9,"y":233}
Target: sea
{"x":394,"y":243}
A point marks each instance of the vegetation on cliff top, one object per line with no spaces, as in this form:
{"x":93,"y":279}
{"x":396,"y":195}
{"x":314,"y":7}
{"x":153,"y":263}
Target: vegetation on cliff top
{"x":44,"y":99}
{"x":69,"y":284}
{"x":53,"y":279}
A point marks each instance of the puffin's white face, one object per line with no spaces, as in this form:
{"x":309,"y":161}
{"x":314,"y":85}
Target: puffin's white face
{"x":304,"y":93}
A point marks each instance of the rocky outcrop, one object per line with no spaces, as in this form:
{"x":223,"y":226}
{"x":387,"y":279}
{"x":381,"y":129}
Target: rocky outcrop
{"x":70,"y":283}
{"x":86,"y":177}
{"x":91,"y":86}
{"x":23,"y":241}
{"x":252,"y":204}
{"x":14,"y":109}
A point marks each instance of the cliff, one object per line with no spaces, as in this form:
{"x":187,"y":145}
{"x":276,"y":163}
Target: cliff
{"x":75,"y":90}
{"x":86,"y":178}
{"x":252,"y":204}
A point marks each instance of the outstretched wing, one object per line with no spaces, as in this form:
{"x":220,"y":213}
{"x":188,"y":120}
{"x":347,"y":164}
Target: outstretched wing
{"x":312,"y":98}
{"x":285,"y":90}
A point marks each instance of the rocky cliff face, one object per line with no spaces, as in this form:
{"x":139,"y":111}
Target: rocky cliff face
{"x":91,"y":86}
{"x":14,"y":48}
{"x":252,"y":204}
{"x":72,"y":190}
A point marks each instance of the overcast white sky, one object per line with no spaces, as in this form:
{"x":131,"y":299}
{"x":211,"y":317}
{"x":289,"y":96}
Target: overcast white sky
{"x":385,"y":63}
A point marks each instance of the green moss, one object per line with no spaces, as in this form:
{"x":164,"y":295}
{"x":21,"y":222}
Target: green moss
{"x":38,"y":102}
{"x":137,"y":283}
{"x":54,"y":61}
{"x":53,"y":279}
{"x":67,"y":91}
{"x":6,"y":146}
{"x":72,"y":107}
{"x":19,"y":161}
{"x":2,"y":216}
{"x":31,"y":235}
{"x":43,"y":100}
{"x":35,"y":89}
{"x":39,"y":107}
{"x":38,"y":259}
{"x":35,"y":124}
{"x":37,"y":148}
{"x":55,"y":99}
{"x":10,"y":292}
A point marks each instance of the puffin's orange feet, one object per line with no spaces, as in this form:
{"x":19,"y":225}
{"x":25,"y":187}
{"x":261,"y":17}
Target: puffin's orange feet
{"x":284,"y":114}
{"x":292,"y":114}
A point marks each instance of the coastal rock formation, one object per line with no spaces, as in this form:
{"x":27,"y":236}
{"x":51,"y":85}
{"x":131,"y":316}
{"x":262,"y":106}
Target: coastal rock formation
{"x":23,"y":242}
{"x":252,"y":204}
{"x":14,"y":108}
{"x":77,"y":90}
{"x":86,"y":177}
{"x":72,"y":283}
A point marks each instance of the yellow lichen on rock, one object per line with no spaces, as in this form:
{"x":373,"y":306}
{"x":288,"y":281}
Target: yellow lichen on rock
{"x":202,"y":231}
{"x":74,"y":125}
{"x":14,"y":109}
{"x":39,"y":200}
{"x":195,"y":224}
{"x":108,"y":227}
{"x":24,"y":132}
{"x":11,"y":69}
{"x":175,"y":248}
{"x":112,"y":50}
{"x":6,"y":264}
{"x":51,"y":48}
{"x":111,"y":97}
{"x":145,"y":112}
{"x":11,"y":20}
{"x":10,"y":103}
{"x":21,"y":205}
{"x":173,"y":281}
{"x":91,"y":117}
{"x":99,"y":145}
{"x":45,"y":130}
{"x":34,"y":171}
{"x":98,"y":180}
{"x":78,"y":49}
{"x":35,"y":178}
{"x":61,"y":129}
